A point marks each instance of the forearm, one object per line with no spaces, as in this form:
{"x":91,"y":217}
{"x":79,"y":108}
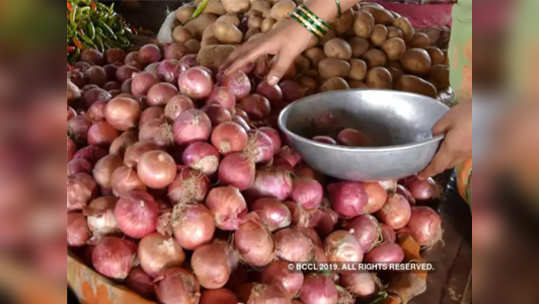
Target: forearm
{"x":327,"y":9}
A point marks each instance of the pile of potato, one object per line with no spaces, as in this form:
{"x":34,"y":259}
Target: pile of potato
{"x":367,"y":47}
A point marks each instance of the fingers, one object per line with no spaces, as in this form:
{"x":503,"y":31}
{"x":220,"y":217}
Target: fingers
{"x":442,"y":125}
{"x":441,"y":161}
{"x":279,"y":68}
{"x":242,"y":56}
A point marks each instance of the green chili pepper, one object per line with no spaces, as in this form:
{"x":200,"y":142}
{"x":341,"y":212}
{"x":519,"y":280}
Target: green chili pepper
{"x":103,"y":24}
{"x":200,"y":8}
{"x":91,"y":30}
{"x":381,"y":296}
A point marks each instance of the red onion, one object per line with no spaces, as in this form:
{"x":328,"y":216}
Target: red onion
{"x":175,"y":51}
{"x":134,"y":152}
{"x":257,"y":106}
{"x":149,"y":53}
{"x":311,"y":234}
{"x":81,"y":187}
{"x":318,"y":288}
{"x":388,"y":234}
{"x":94,"y":95}
{"x":78,"y":165}
{"x":211,"y":264}
{"x":241,"y":113}
{"x":177,"y":105}
{"x":279,"y":275}
{"x":191,"y":125}
{"x":425,"y":226}
{"x":262,"y":293}
{"x":157,"y":252}
{"x":259,"y":146}
{"x":241,"y":121}
{"x":238,"y":83}
{"x":273,"y":93}
{"x":271,"y":182}
{"x":342,"y":246}
{"x":101,"y":133}
{"x":142,"y":82}
{"x":293,"y":245}
{"x":113,"y":257}
{"x":158,"y":131}
{"x":115,"y":55}
{"x":229,"y":137}
{"x":253,"y":242}
{"x":291,"y":90}
{"x":189,"y":60}
{"x":81,"y":65}
{"x":385,"y":253}
{"x":326,"y":221}
{"x":177,"y":285}
{"x":396,"y":211}
{"x":376,"y":195}
{"x":274,"y":136}
{"x":238,"y":170}
{"x":77,"y":229}
{"x":366,"y":230}
{"x":190,"y":186}
{"x":77,"y":77}
{"x":77,"y":128}
{"x":422,"y":189}
{"x":354,"y":138}
{"x":201,"y":156}
{"x":168,"y":70}
{"x":300,"y":216}
{"x":156,"y":169}
{"x":131,"y":58}
{"x":96,"y":111}
{"x":137,"y":213}
{"x":325,"y":140}
{"x":361,"y":284}
{"x":152,"y":68}
{"x":93,"y":56}
{"x":126,"y":86}
{"x":389,"y":185}
{"x":217,"y":113}
{"x":112,"y":85}
{"x":151,"y":113}
{"x":122,"y":113}
{"x":160,"y":93}
{"x":92,"y":153}
{"x":272,"y":213}
{"x":348,"y":199}
{"x":103,"y":169}
{"x":227,"y":206}
{"x":100,"y":216}
{"x":218,"y":296}
{"x":222,"y":96}
{"x":125,"y":179}
{"x":406,"y":193}
{"x":140,"y":282}
{"x":308,"y":193}
{"x":125,"y":72}
{"x":96,"y":75}
{"x":192,"y":225}
{"x":289,"y":155}
{"x":195,"y":83}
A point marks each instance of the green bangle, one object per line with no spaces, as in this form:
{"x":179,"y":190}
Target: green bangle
{"x":309,"y":26}
{"x":316,"y":20}
{"x":320,"y":29}
{"x":338,"y":2}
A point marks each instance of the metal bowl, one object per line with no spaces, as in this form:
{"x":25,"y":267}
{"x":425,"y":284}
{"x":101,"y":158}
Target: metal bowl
{"x":399,"y":124}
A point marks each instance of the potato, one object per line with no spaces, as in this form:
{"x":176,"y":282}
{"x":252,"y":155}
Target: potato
{"x":395,"y":68}
{"x":394,"y":48}
{"x":393,"y":31}
{"x":357,"y":84}
{"x":267,"y":24}
{"x":208,"y":33}
{"x":229,"y":18}
{"x":227,"y":33}
{"x":184,"y":12}
{"x":439,"y":76}
{"x":261,"y":6}
{"x":375,"y":57}
{"x":302,"y":64}
{"x":437,"y":56}
{"x":251,"y":32}
{"x":379,"y":78}
{"x":419,"y":40}
{"x":344,"y":22}
{"x":433,"y":33}
{"x":213,"y":56}
{"x":358,"y":69}
{"x":215,"y":7}
{"x":444,"y":37}
{"x":331,"y":67}
{"x":416,"y":61}
{"x":359,"y":46}
{"x":254,"y":21}
{"x":334,"y":84}
{"x":199,"y":24}
{"x":315,"y":54}
{"x":381,"y":15}
{"x":379,"y":34}
{"x":309,"y":83}
{"x":406,"y":27}
{"x":180,"y":34}
{"x":282,"y":9}
{"x":209,"y":41}
{"x":364,"y":24}
{"x":192,"y":45}
{"x":236,"y":6}
{"x":414,"y":84}
{"x":338,"y":48}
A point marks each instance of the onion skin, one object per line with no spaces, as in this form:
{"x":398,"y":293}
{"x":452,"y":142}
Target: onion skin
{"x":278,"y":274}
{"x":425,"y":226}
{"x":406,"y":193}
{"x":81,"y":187}
{"x":131,"y":59}
{"x":160,"y":93}
{"x":342,"y":246}
{"x":262,"y":293}
{"x":134,"y":152}
{"x":256,"y":105}
{"x":137,"y":214}
{"x":274,"y":136}
{"x":385,"y":253}
{"x":273,"y":93}
{"x":176,"y":105}
{"x":177,"y":285}
{"x":101,"y":133}
{"x":218,"y":296}
{"x":366,"y":230}
{"x":229,"y":137}
{"x":77,"y":128}
{"x":271,"y":182}
{"x":222,"y":96}
{"x":396,"y":212}
{"x":361,"y":284}
{"x":354,"y":138}
{"x":272,"y":213}
{"x":122,"y":113}
{"x":259,"y":146}
{"x":96,"y":111}
{"x":140,"y":282}
{"x":125,"y":72}
{"x":227,"y":206}
{"x":104,"y":168}
{"x":348,"y":199}
{"x":125,"y":179}
{"x":120,"y":143}
{"x":217,"y":113}
{"x":196,"y":83}
{"x":238,"y":83}
{"x":92,"y":153}
{"x":289,"y":155}
{"x":78,"y":232}
{"x":318,"y":288}
{"x":100,"y":216}
{"x":96,"y":75}
{"x":211,"y":264}
{"x":176,"y":51}
{"x":376,"y":195}
{"x":190,"y":186}
{"x":156,"y":169}
{"x":308,"y":193}
{"x":191,"y":125}
{"x":388,"y":234}
{"x":325,"y":140}
{"x":94,"y":95}
{"x":201,"y":156}
{"x":422,"y":190}
{"x":389,"y":185}
{"x":192,"y":225}
{"x":149,"y":53}
{"x":254,"y":243}
{"x":142,"y":82}
{"x":168,"y":70}
{"x":238,"y":170}
{"x":293,"y":245}
{"x":158,"y":131}
{"x":113,"y":257}
{"x":326,"y":221}
{"x":78,"y":165}
{"x":157,"y":252}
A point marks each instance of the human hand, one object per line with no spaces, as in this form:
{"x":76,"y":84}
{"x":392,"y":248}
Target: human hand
{"x":286,"y":41}
{"x":457,"y":145}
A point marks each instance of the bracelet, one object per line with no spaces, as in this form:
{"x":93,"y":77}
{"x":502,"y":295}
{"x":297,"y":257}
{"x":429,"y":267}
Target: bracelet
{"x":310,"y":21}
{"x":338,"y":2}
{"x":309,"y":26}
{"x":313,"y":17}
